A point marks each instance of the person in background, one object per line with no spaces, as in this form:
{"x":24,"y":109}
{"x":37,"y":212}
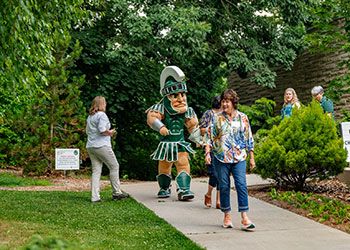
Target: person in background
{"x":231,"y":140}
{"x":290,"y":101}
{"x":99,"y":147}
{"x":204,"y":123}
{"x":317,"y":93}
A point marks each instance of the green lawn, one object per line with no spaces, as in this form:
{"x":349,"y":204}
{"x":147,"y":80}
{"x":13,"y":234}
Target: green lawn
{"x":11,"y":180}
{"x":68,"y":220}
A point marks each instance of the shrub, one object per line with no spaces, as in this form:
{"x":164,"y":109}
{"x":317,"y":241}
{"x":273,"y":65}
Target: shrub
{"x":8,"y":138}
{"x":54,"y":243}
{"x":197,"y":163}
{"x":303,"y":146}
{"x":261,"y":114}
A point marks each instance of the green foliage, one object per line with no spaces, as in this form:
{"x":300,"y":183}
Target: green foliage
{"x":329,"y":32}
{"x":321,"y":208}
{"x":127,"y":71}
{"x":131,"y":41}
{"x":38,"y":97}
{"x":11,"y":180}
{"x":8,"y":138}
{"x":198,"y":167}
{"x":261,"y":114}
{"x":252,"y":37}
{"x":339,"y":86}
{"x":328,"y":21}
{"x":27,"y":45}
{"x":306,"y":145}
{"x":123,"y":55}
{"x":52,"y":243}
{"x":54,"y":216}
{"x":54,"y":119}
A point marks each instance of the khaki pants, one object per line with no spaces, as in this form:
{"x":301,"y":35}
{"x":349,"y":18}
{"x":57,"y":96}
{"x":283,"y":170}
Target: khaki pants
{"x":99,"y":156}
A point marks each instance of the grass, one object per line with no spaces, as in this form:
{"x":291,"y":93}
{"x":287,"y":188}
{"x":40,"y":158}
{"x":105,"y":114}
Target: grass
{"x":68,"y":220}
{"x":11,"y":180}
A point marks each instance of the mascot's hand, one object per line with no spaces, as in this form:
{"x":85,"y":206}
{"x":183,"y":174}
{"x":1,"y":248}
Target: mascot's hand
{"x":164,"y":131}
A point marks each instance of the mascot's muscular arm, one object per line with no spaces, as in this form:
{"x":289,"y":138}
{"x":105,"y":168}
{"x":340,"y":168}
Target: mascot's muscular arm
{"x":154,"y":121}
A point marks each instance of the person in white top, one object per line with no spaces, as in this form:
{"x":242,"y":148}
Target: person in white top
{"x":99,"y":147}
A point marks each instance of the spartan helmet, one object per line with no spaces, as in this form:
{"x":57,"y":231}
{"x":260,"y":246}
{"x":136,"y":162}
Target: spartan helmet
{"x":172,"y":81}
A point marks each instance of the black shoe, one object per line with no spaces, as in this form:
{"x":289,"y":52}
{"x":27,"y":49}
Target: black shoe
{"x":120,"y":196}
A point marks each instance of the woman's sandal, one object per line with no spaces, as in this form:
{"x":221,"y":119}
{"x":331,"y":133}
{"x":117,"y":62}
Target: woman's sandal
{"x":248,"y":227}
{"x":207,"y":201}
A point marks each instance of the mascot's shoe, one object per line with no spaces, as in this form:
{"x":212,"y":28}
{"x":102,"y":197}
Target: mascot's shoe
{"x":164,"y":182}
{"x":183,"y":181}
{"x":185,"y":195}
{"x":164,"y":193}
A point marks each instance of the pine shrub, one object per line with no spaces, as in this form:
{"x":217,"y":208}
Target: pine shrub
{"x":304,"y":146}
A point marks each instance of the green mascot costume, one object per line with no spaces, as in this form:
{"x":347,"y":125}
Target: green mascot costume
{"x":169,"y":118}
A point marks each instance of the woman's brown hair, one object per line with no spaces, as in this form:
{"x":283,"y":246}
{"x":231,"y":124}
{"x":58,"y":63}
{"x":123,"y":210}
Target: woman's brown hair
{"x":230,"y":94}
{"x":98,"y":104}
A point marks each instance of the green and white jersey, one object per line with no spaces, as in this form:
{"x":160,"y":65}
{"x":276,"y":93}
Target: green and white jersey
{"x":172,"y":144}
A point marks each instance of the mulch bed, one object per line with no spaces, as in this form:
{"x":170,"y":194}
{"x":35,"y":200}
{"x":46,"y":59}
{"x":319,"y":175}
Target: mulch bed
{"x":328,"y":188}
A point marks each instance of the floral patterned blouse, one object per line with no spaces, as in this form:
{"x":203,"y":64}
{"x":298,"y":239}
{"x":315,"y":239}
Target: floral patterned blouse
{"x":229,"y":139}
{"x":206,"y":118}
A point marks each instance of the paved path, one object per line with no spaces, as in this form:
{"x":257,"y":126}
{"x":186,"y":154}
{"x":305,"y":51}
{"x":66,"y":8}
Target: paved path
{"x":276,"y":228}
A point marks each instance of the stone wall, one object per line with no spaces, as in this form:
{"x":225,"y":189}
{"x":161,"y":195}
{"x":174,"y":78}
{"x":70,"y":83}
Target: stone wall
{"x":309,"y":70}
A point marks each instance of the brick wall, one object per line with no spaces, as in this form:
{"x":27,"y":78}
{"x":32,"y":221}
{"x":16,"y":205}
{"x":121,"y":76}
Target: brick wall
{"x":309,"y":70}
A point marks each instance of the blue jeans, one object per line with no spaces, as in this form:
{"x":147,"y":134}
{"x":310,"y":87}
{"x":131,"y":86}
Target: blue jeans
{"x":238,"y":170}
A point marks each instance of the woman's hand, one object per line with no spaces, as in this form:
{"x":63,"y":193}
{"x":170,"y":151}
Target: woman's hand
{"x":113,"y":132}
{"x":251,"y":164}
{"x":251,"y":160}
{"x":110,"y":132}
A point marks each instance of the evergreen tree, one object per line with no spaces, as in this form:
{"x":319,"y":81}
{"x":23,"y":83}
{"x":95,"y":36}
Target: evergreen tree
{"x":55,"y":118}
{"x":304,"y":146}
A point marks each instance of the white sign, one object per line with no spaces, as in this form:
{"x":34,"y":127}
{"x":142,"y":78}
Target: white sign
{"x":345,"y":131}
{"x":66,"y":158}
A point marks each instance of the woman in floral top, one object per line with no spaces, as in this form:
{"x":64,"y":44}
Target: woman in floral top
{"x":230,"y":141}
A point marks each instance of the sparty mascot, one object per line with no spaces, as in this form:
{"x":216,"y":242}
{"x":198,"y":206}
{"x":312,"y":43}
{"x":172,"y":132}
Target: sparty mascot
{"x":169,"y":117}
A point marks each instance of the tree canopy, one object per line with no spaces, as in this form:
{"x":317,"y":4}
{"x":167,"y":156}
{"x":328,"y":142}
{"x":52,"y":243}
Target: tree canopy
{"x":131,"y":41}
{"x":27,"y":42}
{"x":122,"y":55}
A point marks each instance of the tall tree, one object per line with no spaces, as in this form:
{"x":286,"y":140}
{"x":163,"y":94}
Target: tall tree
{"x":27,"y":46}
{"x":39,"y":101}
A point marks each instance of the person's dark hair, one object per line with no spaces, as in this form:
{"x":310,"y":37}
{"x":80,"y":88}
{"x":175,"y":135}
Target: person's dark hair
{"x":216,"y":102}
{"x":230,"y":94}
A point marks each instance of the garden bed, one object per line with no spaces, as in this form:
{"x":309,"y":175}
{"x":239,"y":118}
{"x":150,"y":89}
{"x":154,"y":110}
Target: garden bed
{"x":327,"y":202}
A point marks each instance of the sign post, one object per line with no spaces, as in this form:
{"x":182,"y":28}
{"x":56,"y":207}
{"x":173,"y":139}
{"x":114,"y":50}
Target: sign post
{"x":67,"y":159}
{"x":345,"y":131}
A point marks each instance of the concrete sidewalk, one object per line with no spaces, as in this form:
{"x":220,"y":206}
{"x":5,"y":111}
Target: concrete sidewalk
{"x":276,"y":228}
